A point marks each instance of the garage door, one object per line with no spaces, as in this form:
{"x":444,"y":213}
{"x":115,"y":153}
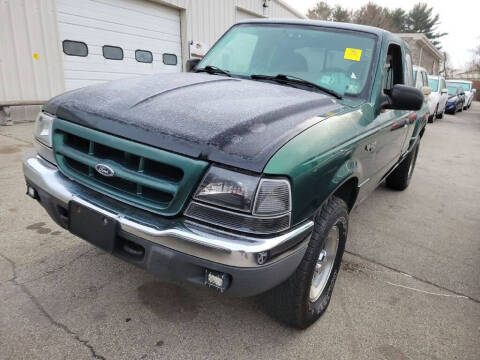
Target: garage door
{"x":245,"y":15}
{"x":104,"y":40}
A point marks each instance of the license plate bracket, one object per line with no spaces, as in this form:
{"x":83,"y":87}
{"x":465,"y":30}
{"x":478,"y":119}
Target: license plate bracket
{"x":92,"y":226}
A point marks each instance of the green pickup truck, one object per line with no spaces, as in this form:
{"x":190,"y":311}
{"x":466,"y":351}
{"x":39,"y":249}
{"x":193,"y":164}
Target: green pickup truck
{"x":240,"y":173}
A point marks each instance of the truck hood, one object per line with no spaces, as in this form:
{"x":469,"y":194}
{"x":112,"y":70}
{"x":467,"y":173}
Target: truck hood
{"x":236,"y":122}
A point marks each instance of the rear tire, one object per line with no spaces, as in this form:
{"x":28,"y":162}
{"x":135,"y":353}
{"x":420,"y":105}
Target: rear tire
{"x":432,"y":118}
{"x":296,"y":302}
{"x":440,"y":116}
{"x":400,"y":178}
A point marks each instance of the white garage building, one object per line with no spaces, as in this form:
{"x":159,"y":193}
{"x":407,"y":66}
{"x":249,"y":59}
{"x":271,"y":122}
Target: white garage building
{"x":49,"y":46}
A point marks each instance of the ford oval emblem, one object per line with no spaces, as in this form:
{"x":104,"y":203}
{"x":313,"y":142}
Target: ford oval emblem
{"x":104,"y":170}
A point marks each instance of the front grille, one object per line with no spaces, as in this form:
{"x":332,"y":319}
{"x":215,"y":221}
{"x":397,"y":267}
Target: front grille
{"x":146,"y":177}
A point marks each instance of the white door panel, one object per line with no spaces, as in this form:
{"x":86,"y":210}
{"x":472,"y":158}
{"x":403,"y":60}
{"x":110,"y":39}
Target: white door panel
{"x":128,"y":24}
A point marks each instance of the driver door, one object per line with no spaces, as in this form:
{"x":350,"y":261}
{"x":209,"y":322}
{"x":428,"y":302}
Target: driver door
{"x":393,"y":125}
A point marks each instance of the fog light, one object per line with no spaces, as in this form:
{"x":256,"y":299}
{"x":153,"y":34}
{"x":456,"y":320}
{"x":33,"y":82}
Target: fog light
{"x":217,"y":280}
{"x":32,"y":192}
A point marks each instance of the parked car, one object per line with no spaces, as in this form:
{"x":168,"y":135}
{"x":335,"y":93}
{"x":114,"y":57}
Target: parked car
{"x":456,"y":99}
{"x":420,"y":78}
{"x":241,"y":174}
{"x":467,"y":88}
{"x":437,"y":100}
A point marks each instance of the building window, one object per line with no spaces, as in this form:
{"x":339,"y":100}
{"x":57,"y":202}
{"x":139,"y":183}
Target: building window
{"x":75,"y":48}
{"x":112,"y":52}
{"x":143,"y":56}
{"x":170,"y":59}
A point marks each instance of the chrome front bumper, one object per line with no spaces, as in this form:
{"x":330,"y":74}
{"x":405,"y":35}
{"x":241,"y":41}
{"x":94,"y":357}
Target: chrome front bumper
{"x":178,"y":234}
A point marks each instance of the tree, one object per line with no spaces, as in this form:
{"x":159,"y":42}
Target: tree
{"x":341,"y":14}
{"x":399,"y":17}
{"x":321,"y":11}
{"x":422,"y":20}
{"x":474,"y":64}
{"x":447,"y":66}
{"x":375,"y":15}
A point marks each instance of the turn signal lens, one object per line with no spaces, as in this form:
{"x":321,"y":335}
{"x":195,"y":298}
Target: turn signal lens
{"x":43,"y":128}
{"x":273,"y":197}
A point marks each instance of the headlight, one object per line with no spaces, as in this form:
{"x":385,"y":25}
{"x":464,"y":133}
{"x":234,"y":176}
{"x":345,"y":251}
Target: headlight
{"x":43,"y":129}
{"x":242,"y":202}
{"x":228,"y":189}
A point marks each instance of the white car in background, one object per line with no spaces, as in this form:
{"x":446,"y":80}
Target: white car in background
{"x":420,"y":79}
{"x":438,"y":97}
{"x":467,"y":87}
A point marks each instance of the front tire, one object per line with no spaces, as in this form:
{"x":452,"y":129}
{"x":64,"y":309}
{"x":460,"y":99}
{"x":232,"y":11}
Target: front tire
{"x":304,"y":297}
{"x":400,"y":178}
{"x":440,"y":116}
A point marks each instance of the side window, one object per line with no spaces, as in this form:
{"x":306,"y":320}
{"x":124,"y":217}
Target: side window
{"x":112,"y":52}
{"x":393,"y":71}
{"x":143,"y":56}
{"x":75,"y":48}
{"x":169,"y":59}
{"x":409,"y":70}
{"x":425,"y":78}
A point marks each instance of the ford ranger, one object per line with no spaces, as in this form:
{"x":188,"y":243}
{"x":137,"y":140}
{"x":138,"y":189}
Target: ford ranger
{"x":240,"y":173}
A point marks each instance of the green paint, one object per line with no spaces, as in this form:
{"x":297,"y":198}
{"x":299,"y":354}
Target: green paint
{"x":322,"y":158}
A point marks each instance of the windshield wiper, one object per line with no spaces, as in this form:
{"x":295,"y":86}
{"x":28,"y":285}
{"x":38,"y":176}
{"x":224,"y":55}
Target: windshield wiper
{"x":213,"y":70}
{"x":290,"y":79}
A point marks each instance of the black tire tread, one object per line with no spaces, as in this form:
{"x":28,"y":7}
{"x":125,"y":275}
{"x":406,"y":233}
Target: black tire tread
{"x":399,"y":179}
{"x":288,"y":302}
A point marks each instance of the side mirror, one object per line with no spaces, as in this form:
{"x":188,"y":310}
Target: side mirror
{"x":191,"y":64}
{"x":403,"y":97}
{"x":444,"y":91}
{"x":426,"y":90}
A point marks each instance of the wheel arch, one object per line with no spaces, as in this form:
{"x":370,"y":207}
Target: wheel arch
{"x":348,"y":192}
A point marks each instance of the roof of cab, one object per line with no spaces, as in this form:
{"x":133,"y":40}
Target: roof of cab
{"x":459,"y":81}
{"x":330,"y":24}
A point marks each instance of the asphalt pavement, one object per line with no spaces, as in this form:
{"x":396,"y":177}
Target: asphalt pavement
{"x":409,"y":287}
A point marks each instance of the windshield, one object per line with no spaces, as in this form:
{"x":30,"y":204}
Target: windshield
{"x":452,"y":90}
{"x":464,"y":86}
{"x":433,"y":84}
{"x":334,"y":59}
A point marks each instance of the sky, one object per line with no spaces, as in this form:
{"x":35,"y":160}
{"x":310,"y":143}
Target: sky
{"x":458,"y":18}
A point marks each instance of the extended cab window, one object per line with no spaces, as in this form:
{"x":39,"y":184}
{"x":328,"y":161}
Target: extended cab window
{"x":339,"y":60}
{"x":393,"y":69}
